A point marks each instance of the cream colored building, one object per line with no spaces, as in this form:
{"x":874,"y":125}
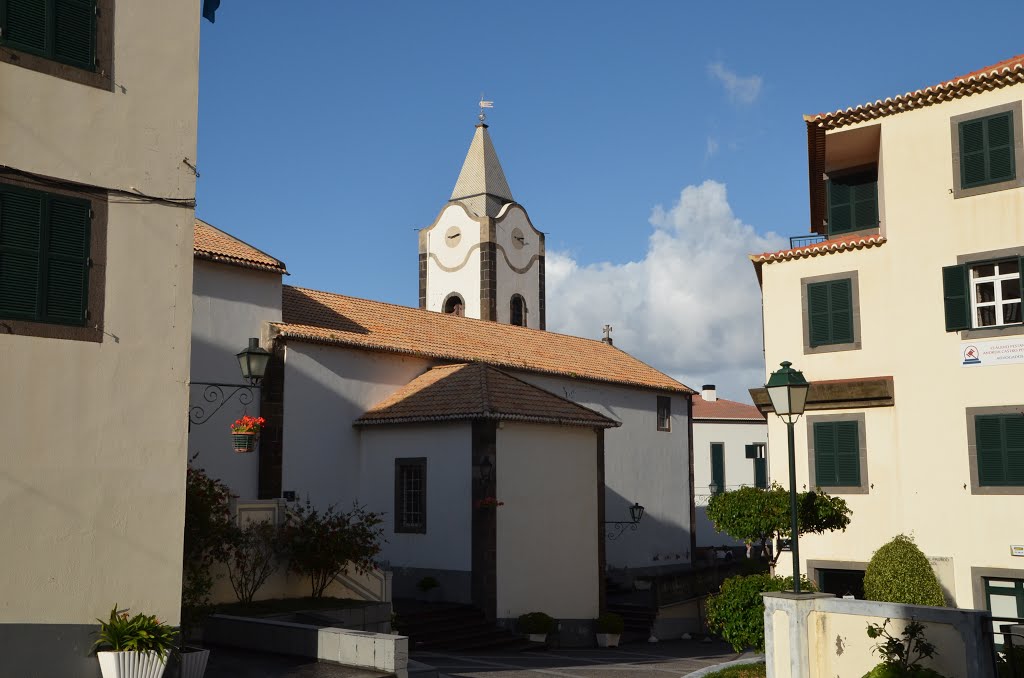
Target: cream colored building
{"x":97,"y":113}
{"x":907,"y":321}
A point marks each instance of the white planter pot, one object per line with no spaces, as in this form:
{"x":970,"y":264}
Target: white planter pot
{"x":132,"y":664}
{"x":608,"y":639}
{"x":193,"y":662}
{"x":537,"y":637}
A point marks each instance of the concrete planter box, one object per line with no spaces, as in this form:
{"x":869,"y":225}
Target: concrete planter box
{"x":132,"y":664}
{"x":193,"y":662}
{"x":608,"y":639}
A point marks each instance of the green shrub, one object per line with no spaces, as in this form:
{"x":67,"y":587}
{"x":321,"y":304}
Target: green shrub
{"x":756,"y":670}
{"x":427,"y":584}
{"x":736,"y":613}
{"x":901,"y":655}
{"x":535,"y":622}
{"x":609,"y":622}
{"x":900,"y":573}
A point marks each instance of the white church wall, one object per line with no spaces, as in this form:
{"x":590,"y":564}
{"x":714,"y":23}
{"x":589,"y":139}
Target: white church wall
{"x":739,"y":471}
{"x":229,"y":305}
{"x":517,"y":264}
{"x":547,"y":529}
{"x":326,"y":389}
{"x":642,"y":464}
{"x":453,"y":263}
{"x":447,"y":449}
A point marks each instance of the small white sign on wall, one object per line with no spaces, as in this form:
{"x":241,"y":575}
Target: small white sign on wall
{"x":1017,"y":551}
{"x":994,"y":352}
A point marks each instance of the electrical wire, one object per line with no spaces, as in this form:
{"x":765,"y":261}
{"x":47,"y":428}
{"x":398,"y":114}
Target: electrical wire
{"x":133,"y":196}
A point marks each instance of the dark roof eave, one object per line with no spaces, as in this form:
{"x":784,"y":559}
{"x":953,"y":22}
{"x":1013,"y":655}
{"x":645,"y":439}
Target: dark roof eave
{"x":486,"y":416}
{"x":237,"y":261}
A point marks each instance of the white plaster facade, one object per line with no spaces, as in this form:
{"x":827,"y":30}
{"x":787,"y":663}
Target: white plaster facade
{"x":95,"y":431}
{"x":918,"y":473}
{"x":453,"y":259}
{"x":230,"y":304}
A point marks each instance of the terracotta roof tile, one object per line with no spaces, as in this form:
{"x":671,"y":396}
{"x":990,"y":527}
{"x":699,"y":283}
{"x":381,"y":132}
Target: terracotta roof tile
{"x":213,"y":244}
{"x":476,"y":391}
{"x":1007,"y":72}
{"x":322,"y":317}
{"x":841,"y":244}
{"x":724,"y":409}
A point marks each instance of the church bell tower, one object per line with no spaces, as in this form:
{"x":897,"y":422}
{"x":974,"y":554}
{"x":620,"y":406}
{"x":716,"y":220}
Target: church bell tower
{"x":482,"y":257}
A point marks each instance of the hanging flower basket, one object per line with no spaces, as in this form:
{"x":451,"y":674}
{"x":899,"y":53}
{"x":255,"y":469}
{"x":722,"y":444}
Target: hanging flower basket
{"x":244,"y":432}
{"x":488,"y":503}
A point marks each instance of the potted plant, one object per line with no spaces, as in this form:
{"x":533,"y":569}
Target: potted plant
{"x":427,"y":587}
{"x":609,"y":629}
{"x":898,"y":653}
{"x":244,"y":432}
{"x":536,"y":626}
{"x":133,"y":647}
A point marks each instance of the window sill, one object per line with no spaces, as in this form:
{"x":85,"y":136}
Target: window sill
{"x":993,"y":332}
{"x":997,"y":489}
{"x":845,"y":489}
{"x":30,"y":328}
{"x":832,"y":348}
{"x":875,"y":230}
{"x":99,"y":79}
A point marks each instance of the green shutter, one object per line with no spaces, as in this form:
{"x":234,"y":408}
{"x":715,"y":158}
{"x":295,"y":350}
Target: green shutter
{"x":819,"y":318}
{"x":988,"y":431}
{"x":840,"y":207}
{"x":825,"y":454}
{"x":760,"y":472}
{"x":21,"y":225}
{"x":986,"y":150}
{"x":66,"y":292}
{"x":75,"y":32}
{"x":865,"y":205}
{"x":1013,"y":436}
{"x":847,"y":454}
{"x":956,"y":298}
{"x":24,"y":24}
{"x":999,"y":129}
{"x":718,"y":465}
{"x":840,"y":294}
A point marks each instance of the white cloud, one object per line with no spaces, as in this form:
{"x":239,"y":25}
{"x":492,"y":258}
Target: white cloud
{"x":711,"y":149}
{"x":691,"y":307}
{"x":744,"y":90}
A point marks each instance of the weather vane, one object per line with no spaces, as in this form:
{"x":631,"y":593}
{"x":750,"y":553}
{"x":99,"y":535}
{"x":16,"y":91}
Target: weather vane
{"x":483,"y":105}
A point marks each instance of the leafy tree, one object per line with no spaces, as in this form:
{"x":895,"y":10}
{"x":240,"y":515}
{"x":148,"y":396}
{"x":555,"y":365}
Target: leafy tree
{"x":756,"y":516}
{"x":252,"y":557}
{"x":323,"y":545}
{"x":208,"y":531}
{"x":900,"y":573}
{"x":736,"y":612}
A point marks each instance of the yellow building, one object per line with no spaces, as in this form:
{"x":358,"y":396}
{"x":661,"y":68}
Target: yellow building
{"x":903,"y":307}
{"x":98,"y":107}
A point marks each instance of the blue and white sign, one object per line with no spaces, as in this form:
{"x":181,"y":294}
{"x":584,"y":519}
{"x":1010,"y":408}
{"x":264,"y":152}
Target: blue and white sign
{"x":994,"y":352}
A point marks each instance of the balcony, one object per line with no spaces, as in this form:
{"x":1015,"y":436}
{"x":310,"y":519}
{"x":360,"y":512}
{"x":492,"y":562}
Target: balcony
{"x":804,"y":240}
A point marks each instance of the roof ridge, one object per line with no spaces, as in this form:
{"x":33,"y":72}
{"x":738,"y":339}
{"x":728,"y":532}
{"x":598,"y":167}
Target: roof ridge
{"x":523,"y":381}
{"x":485,"y":395}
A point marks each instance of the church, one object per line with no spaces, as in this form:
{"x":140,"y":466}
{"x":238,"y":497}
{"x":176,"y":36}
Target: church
{"x":504,"y":457}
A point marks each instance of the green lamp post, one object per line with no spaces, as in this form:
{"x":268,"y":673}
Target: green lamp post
{"x":787,"y":390}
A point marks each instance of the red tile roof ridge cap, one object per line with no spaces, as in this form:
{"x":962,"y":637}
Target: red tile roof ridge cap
{"x":831,"y":245}
{"x":281,"y":265}
{"x":1014,"y":63}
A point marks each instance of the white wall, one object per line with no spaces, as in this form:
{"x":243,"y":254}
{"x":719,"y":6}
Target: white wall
{"x":326,"y":389}
{"x":447,"y":447}
{"x":94,"y":445}
{"x":739,"y":470}
{"x":461,"y":258}
{"x":513,"y":282}
{"x":547,"y":529}
{"x":642,"y":464}
{"x":917,"y":451}
{"x":229,"y":305}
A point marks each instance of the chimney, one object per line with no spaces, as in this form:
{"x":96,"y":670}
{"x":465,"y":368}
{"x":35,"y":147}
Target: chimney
{"x":707,"y":392}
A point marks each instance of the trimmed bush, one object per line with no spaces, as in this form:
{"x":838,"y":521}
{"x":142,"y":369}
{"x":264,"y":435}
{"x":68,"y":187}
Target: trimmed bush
{"x":736,"y":613}
{"x":609,"y":622}
{"x":900,"y":573}
{"x":535,"y":622}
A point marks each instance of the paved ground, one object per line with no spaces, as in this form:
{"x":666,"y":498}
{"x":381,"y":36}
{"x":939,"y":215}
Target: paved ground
{"x":668,"y":658}
{"x":229,"y":663}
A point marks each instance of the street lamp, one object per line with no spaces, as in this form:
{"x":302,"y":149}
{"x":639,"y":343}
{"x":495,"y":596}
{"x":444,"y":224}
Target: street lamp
{"x":253,"y":361}
{"x":713,"y":487}
{"x":787,"y":390}
{"x":636,"y":512}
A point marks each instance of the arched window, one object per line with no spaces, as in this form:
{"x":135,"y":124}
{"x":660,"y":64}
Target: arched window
{"x":454,"y":305}
{"x":517,"y":311}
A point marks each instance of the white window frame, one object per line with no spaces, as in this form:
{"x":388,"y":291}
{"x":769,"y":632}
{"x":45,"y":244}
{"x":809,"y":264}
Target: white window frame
{"x":996,"y":280}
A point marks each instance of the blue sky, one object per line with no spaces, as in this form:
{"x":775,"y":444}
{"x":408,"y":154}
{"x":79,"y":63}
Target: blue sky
{"x":329,"y":134}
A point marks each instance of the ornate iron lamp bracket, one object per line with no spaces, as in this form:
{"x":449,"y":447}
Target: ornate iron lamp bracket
{"x":617,"y":528}
{"x":216,"y":396}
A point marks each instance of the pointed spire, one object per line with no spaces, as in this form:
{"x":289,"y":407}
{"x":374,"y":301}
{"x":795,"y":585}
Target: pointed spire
{"x":482,"y":186}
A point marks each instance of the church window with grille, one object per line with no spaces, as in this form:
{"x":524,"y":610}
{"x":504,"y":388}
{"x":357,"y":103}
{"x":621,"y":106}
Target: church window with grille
{"x":411,"y":495}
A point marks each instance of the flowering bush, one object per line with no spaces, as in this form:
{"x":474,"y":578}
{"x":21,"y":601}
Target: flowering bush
{"x":248,"y":424}
{"x":325,"y":544}
{"x":488,"y":502}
